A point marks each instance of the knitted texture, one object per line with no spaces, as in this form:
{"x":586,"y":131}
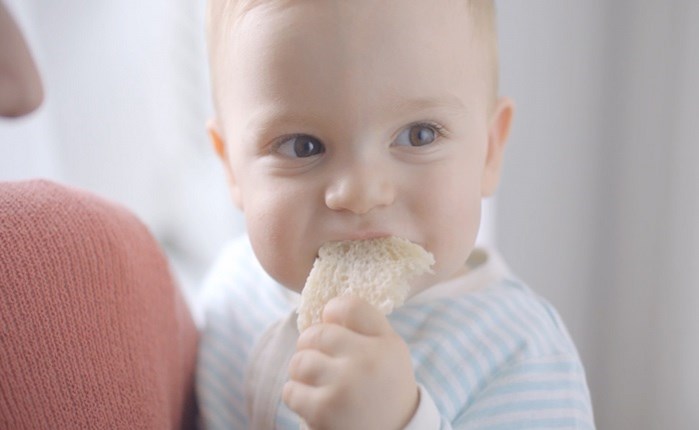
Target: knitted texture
{"x":93,"y":331}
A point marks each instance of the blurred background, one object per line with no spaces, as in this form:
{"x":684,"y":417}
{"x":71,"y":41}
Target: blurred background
{"x":598,"y":209}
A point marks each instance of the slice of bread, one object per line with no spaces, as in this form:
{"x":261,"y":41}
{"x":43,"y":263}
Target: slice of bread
{"x":376,"y":270}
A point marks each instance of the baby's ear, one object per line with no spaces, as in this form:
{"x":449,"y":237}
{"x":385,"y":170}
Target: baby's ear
{"x":220,"y":147}
{"x":498,"y":132}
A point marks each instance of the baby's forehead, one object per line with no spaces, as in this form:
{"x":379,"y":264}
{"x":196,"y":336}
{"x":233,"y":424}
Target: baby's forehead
{"x":351,"y":34}
{"x":232,"y":10}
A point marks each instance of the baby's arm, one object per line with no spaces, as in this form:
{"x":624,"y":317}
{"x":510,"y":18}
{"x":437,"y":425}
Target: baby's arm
{"x":542,"y":392}
{"x":352,"y":371}
{"x":533,"y":393}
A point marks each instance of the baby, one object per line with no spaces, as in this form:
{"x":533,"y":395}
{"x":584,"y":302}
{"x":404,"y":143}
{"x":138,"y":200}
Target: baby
{"x":349,"y":120}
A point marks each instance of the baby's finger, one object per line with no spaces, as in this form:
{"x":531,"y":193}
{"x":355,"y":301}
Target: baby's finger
{"x":310,"y":367}
{"x":330,"y":339}
{"x":357,"y":315}
{"x":304,"y":400}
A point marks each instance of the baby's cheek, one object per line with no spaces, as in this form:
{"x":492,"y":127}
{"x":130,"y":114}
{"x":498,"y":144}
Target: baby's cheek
{"x":279,"y":248}
{"x":456,"y":236}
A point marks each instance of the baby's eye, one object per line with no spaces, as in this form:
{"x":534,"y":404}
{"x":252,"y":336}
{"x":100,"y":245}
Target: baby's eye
{"x":300,"y":146}
{"x":417,"y":135}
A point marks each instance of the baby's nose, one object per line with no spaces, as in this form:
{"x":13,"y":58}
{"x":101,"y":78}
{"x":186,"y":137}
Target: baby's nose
{"x":360,"y":188}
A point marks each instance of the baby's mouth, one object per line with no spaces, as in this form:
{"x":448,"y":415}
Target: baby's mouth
{"x":366,"y":235}
{"x":377,"y":270}
{"x":356,"y":237}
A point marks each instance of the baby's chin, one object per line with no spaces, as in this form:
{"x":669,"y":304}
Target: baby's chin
{"x":422,"y":283}
{"x":291,"y":281}
{"x":440,"y":275}
{"x":288,"y":271}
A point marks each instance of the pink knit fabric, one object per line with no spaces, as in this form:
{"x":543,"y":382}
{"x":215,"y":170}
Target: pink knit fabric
{"x":93,"y":331}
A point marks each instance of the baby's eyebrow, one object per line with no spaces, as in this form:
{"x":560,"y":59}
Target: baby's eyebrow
{"x":245,"y":6}
{"x":278,"y":116}
{"x":274,"y":117}
{"x":448,"y":102}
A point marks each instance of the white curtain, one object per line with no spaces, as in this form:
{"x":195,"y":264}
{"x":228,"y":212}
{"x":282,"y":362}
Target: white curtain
{"x":599,"y":205}
{"x":126,"y":104}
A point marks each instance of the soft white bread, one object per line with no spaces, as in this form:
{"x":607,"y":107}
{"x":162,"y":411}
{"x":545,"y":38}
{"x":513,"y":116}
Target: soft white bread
{"x":376,"y":270}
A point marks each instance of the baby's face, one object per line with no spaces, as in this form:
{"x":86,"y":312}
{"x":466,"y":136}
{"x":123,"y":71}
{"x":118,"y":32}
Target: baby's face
{"x":357,"y":119}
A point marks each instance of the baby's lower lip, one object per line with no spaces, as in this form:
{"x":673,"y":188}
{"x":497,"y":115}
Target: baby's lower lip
{"x":366,"y":235}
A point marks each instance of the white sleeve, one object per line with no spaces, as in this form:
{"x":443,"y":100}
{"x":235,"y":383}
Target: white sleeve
{"x":427,"y":416}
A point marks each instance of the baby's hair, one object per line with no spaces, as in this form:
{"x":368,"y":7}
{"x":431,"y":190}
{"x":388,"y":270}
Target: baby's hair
{"x":222,"y":15}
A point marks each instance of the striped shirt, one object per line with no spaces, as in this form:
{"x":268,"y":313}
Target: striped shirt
{"x":487,"y":352}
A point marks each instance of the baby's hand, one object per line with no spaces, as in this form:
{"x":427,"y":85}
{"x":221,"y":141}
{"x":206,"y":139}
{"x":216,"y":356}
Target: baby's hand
{"x":352,"y":371}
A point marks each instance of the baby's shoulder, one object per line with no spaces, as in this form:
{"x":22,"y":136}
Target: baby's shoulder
{"x":506,"y":316}
{"x":461,"y":343}
{"x":238,"y":289}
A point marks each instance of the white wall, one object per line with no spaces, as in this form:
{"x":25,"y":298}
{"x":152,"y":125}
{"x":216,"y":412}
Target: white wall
{"x":599,"y":206}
